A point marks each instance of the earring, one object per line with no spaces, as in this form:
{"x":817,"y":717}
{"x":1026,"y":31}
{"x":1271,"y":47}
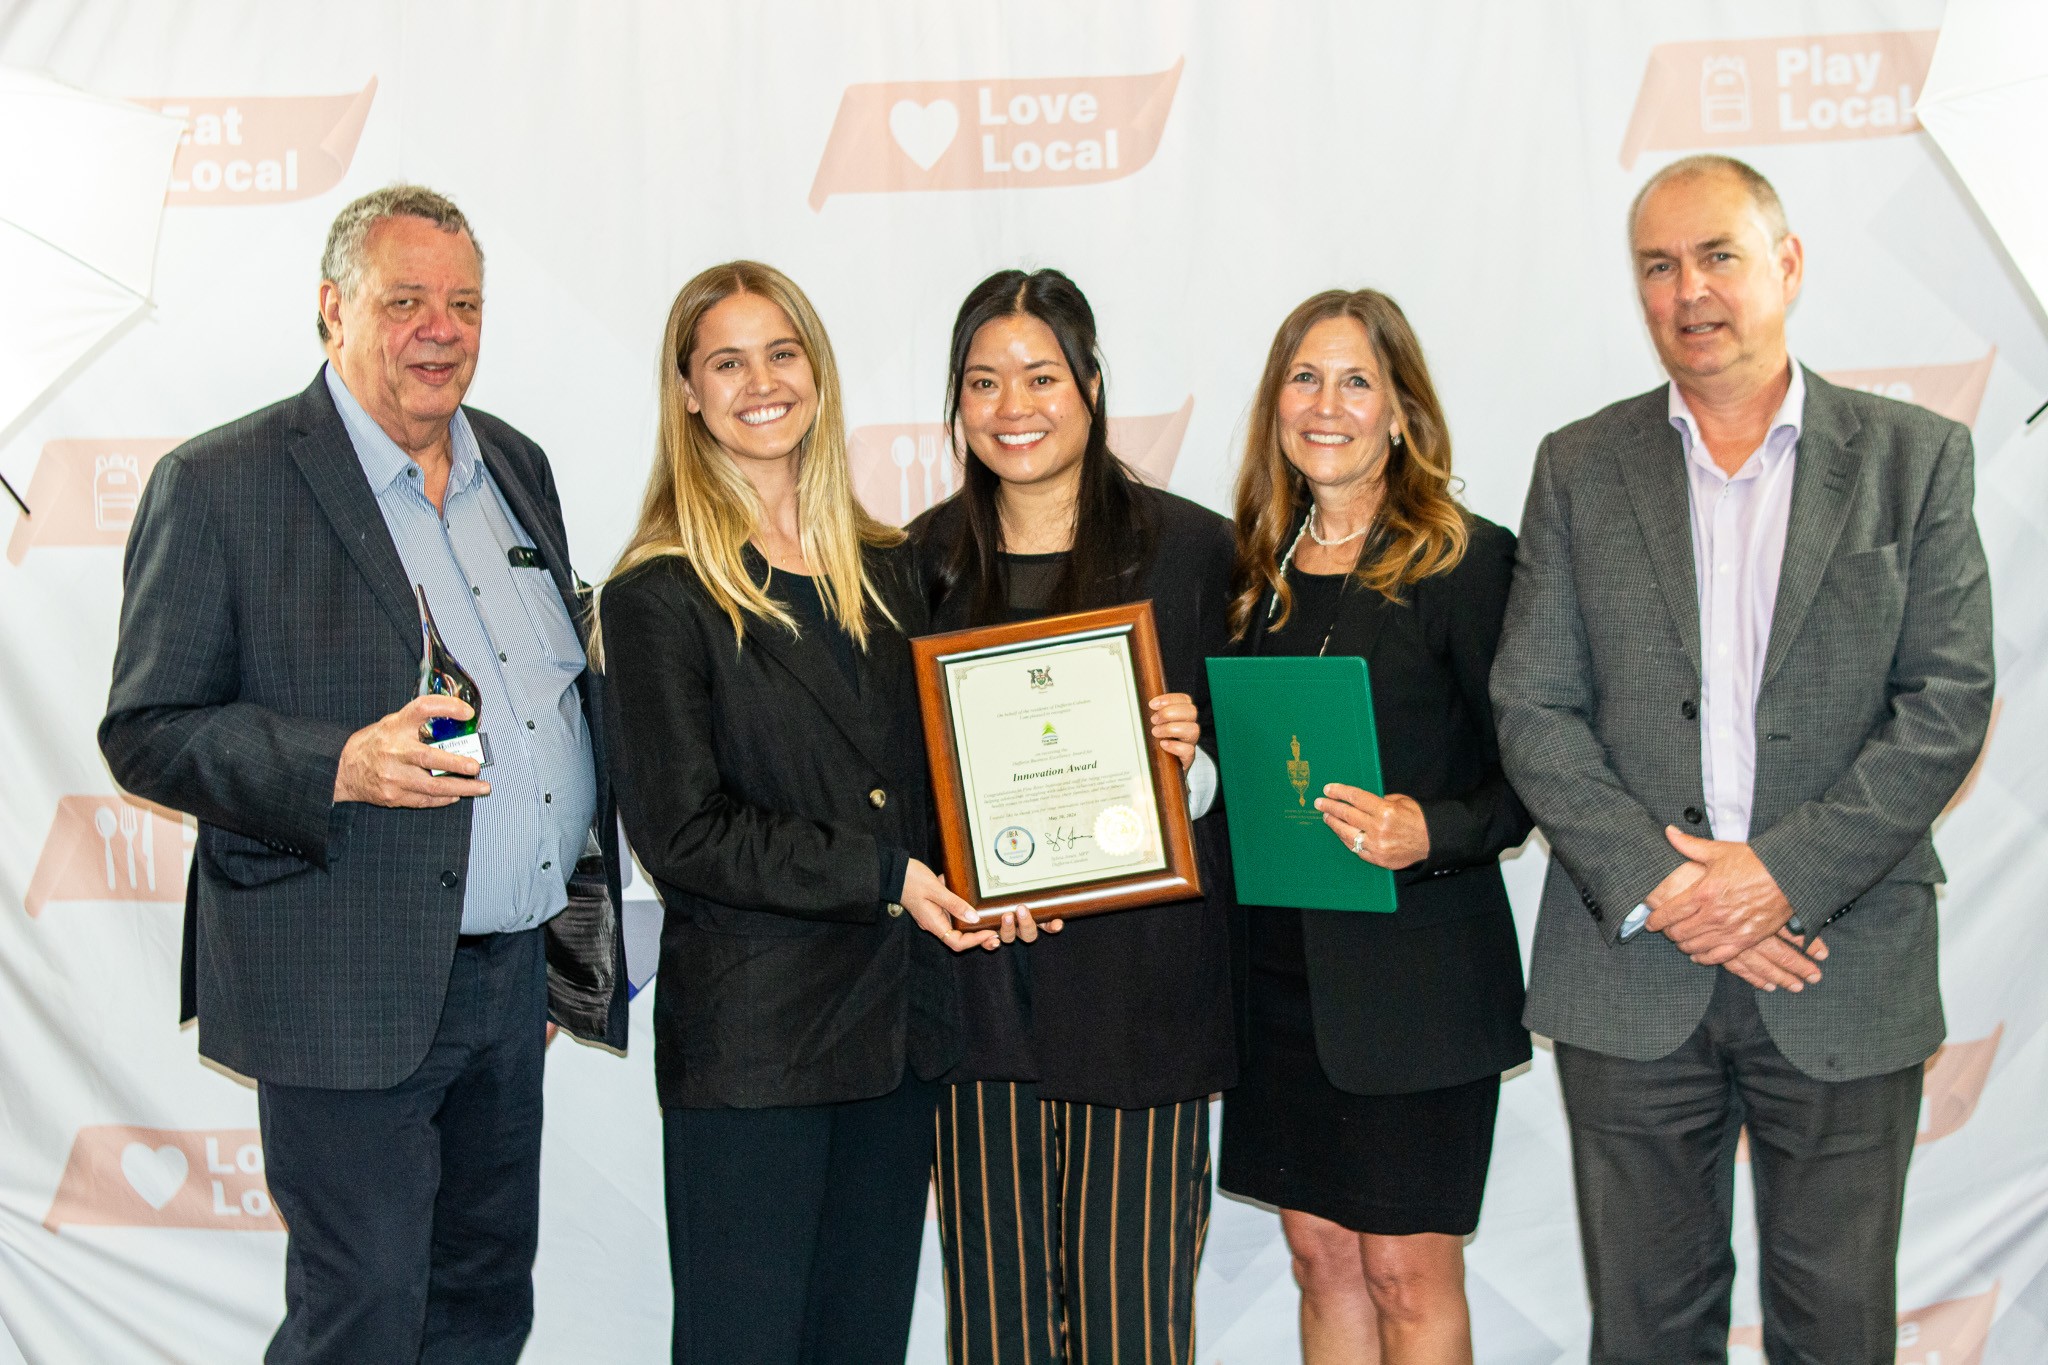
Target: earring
{"x":1397,"y":441}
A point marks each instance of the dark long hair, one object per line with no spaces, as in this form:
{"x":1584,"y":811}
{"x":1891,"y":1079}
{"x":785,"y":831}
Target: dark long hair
{"x":1112,"y":539}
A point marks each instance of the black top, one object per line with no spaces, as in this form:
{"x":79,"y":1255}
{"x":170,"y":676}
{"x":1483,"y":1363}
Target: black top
{"x":1390,"y":1016}
{"x":1130,"y":1008}
{"x":798,"y":594}
{"x":762,"y":792}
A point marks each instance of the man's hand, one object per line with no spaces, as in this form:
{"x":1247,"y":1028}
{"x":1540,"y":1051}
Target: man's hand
{"x":1783,"y":959}
{"x":1674,"y":886}
{"x":385,"y":764}
{"x":1734,"y":906}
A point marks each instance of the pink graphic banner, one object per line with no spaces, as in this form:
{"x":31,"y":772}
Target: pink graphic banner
{"x":1954,"y":1082}
{"x":120,"y":1176}
{"x":1006,"y":134}
{"x":262,"y":149}
{"x":84,"y":492}
{"x":1750,"y":92}
{"x":1955,"y":391}
{"x":110,"y":848}
{"x":902,"y":468}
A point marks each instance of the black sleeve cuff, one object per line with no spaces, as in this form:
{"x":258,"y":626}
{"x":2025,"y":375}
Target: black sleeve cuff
{"x":895,"y":866}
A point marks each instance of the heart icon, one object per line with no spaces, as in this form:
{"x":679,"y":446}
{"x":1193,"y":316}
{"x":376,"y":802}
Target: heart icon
{"x":156,"y":1175}
{"x":924,"y":131}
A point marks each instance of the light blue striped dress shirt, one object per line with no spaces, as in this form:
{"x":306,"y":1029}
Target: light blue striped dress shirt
{"x":509,"y":630}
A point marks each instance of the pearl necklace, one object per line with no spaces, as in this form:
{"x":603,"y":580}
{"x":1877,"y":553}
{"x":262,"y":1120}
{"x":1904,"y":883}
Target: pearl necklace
{"x":1308,"y":524}
{"x":1316,"y":536}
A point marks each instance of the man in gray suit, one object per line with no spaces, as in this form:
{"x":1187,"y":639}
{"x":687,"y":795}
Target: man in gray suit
{"x":379,"y":946}
{"x":1747,"y":661}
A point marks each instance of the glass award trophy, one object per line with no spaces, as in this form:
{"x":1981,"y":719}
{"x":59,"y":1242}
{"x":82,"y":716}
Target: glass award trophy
{"x":441,"y":675}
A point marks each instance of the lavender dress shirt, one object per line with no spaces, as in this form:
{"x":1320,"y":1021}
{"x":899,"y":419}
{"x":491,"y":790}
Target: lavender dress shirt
{"x":1738,"y":547}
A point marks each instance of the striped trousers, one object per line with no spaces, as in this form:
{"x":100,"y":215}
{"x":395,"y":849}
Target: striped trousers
{"x":1071,"y":1231}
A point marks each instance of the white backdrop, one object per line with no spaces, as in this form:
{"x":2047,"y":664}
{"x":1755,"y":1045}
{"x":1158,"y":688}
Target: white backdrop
{"x":1198,"y":169}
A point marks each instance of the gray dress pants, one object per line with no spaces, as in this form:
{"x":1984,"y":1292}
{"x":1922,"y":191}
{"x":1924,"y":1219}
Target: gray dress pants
{"x":1653,"y":1161}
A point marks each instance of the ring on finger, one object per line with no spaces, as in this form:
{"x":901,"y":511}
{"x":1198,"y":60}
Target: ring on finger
{"x":1358,"y":842}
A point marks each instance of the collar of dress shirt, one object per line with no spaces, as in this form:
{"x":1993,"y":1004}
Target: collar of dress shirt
{"x":1791,"y":417}
{"x":382,"y":458}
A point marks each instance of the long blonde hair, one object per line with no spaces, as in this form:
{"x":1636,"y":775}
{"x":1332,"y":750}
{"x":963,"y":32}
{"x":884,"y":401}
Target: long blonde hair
{"x":1420,"y":529}
{"x":700,"y":507}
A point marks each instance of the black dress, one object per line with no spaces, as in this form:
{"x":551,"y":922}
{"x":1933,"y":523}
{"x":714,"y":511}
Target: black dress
{"x":1368,"y":1097}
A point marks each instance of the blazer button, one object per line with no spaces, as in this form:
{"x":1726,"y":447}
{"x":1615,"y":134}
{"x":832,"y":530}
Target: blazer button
{"x":878,"y":798}
{"x":449,"y":880}
{"x":894,"y":909}
{"x":1693,"y":815}
{"x":1689,"y":708}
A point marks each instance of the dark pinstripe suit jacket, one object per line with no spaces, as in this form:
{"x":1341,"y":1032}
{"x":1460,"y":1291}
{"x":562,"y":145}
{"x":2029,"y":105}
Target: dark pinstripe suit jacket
{"x":1876,"y":692}
{"x":267,"y":617}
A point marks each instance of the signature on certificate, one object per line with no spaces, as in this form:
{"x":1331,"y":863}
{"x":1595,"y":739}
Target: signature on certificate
{"x":1059,"y":838}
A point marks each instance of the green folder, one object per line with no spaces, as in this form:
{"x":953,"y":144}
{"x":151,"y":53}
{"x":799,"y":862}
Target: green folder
{"x":1284,"y":727}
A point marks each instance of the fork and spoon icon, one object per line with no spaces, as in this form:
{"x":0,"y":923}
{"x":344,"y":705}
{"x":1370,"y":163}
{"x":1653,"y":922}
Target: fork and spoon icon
{"x":905,"y":452}
{"x":128,"y":822}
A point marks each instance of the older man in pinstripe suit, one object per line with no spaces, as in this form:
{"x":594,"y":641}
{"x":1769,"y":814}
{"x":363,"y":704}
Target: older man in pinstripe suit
{"x":375,"y":943}
{"x":1747,"y":660}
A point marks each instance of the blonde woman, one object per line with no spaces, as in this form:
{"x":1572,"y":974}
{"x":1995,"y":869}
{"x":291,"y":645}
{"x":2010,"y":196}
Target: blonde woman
{"x":1375,"y":1043}
{"x":771,"y":775}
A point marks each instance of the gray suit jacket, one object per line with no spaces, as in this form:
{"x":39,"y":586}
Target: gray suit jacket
{"x":267,"y":617}
{"x":1876,"y":692}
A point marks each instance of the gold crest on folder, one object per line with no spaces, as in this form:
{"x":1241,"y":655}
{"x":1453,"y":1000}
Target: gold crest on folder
{"x":1297,"y":771}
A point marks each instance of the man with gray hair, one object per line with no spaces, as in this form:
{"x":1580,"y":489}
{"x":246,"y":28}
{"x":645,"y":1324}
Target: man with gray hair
{"x":377,"y":931}
{"x":1746,"y":662}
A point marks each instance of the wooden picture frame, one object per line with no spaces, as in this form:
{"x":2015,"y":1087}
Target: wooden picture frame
{"x":1092,"y":643}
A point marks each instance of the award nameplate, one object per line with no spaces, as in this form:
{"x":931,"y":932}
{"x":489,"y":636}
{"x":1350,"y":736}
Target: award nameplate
{"x":1051,"y":792}
{"x":1285,"y":726}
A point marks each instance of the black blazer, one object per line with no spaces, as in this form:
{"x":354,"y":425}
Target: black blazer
{"x":267,"y":617}
{"x":759,"y":791}
{"x":1393,"y":1012}
{"x":1132,"y":1008}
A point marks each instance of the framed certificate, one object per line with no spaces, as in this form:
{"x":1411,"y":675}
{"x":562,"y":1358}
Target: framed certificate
{"x":1051,"y":792}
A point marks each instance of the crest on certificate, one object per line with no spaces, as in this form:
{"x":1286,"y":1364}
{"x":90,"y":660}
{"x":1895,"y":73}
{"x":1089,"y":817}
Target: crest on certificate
{"x":1015,"y":846}
{"x":1041,"y":678}
{"x":1297,"y":771}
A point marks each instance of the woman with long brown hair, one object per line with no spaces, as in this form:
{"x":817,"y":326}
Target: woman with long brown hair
{"x":770,"y":771}
{"x":1373,"y":1045}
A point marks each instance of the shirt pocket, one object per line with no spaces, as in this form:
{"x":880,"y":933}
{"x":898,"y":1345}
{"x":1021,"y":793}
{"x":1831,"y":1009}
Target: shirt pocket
{"x":549,"y":617}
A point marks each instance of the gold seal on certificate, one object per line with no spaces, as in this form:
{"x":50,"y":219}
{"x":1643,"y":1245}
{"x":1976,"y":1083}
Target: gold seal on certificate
{"x":1051,"y":792}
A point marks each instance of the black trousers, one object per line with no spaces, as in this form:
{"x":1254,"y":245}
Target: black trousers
{"x":1072,"y":1232}
{"x":1653,"y":1158}
{"x":414,"y":1211}
{"x":794,"y":1232}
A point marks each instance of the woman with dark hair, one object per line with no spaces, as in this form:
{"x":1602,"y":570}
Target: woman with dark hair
{"x":1374,"y":1044}
{"x":1073,"y":1151}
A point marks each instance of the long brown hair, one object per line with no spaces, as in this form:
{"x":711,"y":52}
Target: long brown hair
{"x":1419,"y":529}
{"x":700,"y":507}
